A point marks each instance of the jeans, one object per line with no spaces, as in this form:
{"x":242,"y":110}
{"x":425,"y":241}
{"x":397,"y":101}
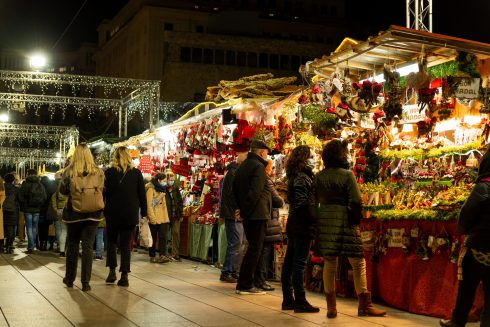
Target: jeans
{"x":99,"y":242}
{"x":61,"y":230}
{"x":160,"y":230}
{"x":80,"y":231}
{"x":124,"y":233}
{"x":234,"y":237}
{"x":293,"y":269}
{"x":255,"y":234}
{"x":358,"y":270}
{"x":262,"y":270}
{"x":176,"y":238}
{"x":473,"y":273}
{"x":32,"y":219}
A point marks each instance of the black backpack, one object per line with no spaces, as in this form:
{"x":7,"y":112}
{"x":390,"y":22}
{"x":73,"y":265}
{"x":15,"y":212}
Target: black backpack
{"x":36,"y":196}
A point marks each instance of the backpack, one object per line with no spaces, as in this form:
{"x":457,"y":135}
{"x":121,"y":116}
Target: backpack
{"x":86,"y":193}
{"x":36,"y":196}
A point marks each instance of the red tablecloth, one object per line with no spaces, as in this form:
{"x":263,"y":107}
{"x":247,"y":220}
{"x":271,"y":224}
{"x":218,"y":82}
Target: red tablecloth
{"x":405,"y":281}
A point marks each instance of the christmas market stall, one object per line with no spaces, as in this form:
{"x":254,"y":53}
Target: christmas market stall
{"x":199,"y":146}
{"x":414,"y":106}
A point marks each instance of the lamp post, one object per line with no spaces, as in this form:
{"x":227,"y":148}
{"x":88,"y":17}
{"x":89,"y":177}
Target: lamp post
{"x":38,"y":61}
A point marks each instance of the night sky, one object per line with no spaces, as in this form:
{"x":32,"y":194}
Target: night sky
{"x":31,"y":24}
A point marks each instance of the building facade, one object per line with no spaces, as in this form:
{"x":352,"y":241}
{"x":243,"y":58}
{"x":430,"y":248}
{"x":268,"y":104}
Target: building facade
{"x":189,"y":45}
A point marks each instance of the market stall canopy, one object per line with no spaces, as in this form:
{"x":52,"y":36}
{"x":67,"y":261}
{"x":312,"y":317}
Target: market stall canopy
{"x":399,"y":46}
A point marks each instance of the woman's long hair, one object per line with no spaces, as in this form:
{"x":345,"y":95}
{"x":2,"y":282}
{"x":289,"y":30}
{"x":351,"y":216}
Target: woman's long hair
{"x":334,"y":154}
{"x":297,"y":160}
{"x":82,"y":162}
{"x":122,"y":159}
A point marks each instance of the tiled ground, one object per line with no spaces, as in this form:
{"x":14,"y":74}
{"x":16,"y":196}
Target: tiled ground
{"x":175,"y":294}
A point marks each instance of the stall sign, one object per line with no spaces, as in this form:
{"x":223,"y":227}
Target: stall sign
{"x":412,"y":114}
{"x":146,"y":166}
{"x":366,"y":121}
{"x":395,"y":239}
{"x":468,"y":88}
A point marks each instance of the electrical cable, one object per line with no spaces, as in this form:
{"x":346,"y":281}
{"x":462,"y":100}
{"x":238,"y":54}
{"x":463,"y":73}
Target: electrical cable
{"x":69,"y":24}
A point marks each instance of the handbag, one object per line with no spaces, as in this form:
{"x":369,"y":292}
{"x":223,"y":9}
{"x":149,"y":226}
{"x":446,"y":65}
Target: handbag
{"x":354,"y":214}
{"x":145,"y":233}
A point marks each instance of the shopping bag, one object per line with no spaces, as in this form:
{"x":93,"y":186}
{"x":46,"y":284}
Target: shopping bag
{"x":145,"y":233}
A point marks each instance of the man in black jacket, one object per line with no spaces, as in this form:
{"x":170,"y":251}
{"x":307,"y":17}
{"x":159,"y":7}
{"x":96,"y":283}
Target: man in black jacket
{"x":233,"y":224}
{"x":255,"y":205}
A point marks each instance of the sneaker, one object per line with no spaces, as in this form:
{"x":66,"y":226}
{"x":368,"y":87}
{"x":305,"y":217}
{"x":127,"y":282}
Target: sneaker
{"x":265,"y":287}
{"x":163,"y":259}
{"x":98,"y":258}
{"x":86,"y":287}
{"x":178,"y":259}
{"x":30,"y":251}
{"x":250,"y":291}
{"x":153,"y":259}
{"x":227,"y":278}
{"x":235,"y":275}
{"x":62,"y":255}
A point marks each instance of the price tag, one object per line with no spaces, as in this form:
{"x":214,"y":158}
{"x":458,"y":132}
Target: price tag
{"x":395,"y":239}
{"x":414,"y":232}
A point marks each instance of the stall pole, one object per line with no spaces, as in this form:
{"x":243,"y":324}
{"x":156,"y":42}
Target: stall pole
{"x":126,"y":121}
{"x":120,"y":121}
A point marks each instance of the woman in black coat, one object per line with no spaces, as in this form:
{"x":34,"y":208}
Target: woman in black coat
{"x":10,"y":212}
{"x":273,"y":234}
{"x":125,"y":197}
{"x":474,"y":258}
{"x":299,"y":229}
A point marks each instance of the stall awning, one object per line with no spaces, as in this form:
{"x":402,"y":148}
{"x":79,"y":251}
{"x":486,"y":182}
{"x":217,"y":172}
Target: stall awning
{"x":398,"y":45}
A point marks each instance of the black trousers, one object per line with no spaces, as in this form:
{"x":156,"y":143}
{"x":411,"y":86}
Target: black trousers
{"x":9,"y":235}
{"x":473,"y":273}
{"x":124,"y":233}
{"x":255,"y":234}
{"x":162,"y":231}
{"x":80,"y":231}
{"x":263,"y":267}
{"x":43,"y":229}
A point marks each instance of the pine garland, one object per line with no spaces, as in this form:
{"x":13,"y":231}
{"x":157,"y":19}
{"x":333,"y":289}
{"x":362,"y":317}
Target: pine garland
{"x":431,"y":153}
{"x":416,"y":214}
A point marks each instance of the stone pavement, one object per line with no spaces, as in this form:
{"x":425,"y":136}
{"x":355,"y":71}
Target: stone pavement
{"x":183,"y":293}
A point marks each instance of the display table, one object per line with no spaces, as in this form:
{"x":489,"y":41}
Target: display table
{"x":406,"y":281}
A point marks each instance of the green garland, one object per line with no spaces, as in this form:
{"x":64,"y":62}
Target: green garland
{"x":432,"y":153}
{"x":415,"y":214}
{"x":449,"y":68}
{"x":316,"y":114}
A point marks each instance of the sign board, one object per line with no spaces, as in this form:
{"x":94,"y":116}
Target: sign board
{"x":411,"y":114}
{"x":395,"y":239}
{"x":468,"y":88}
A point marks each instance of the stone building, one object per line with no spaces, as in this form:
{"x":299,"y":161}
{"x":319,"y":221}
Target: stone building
{"x":189,"y":45}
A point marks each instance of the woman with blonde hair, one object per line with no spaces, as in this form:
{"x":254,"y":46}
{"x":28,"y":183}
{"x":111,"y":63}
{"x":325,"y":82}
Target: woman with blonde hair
{"x":125,"y":201}
{"x":83,"y":183}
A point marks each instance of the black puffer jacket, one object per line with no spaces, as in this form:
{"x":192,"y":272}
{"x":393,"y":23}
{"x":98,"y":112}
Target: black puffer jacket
{"x":11,"y":217}
{"x":274,"y":230}
{"x":228,"y":202}
{"x":249,"y":186}
{"x":335,"y":190}
{"x":301,"y":221}
{"x":474,"y":217}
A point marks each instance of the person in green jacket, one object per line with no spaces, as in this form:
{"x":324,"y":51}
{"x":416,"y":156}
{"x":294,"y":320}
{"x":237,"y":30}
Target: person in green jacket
{"x":58,"y":201}
{"x":337,"y":200}
{"x":175,"y":208}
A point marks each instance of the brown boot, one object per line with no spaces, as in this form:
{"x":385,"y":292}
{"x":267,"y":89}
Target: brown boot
{"x":331,"y":305}
{"x":366,"y":307}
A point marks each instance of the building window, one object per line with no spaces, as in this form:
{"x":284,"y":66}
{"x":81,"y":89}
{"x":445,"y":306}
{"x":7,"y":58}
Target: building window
{"x":285,"y":62}
{"x":208,"y":56}
{"x":199,"y":29}
{"x":219,"y":57}
{"x":295,"y":62}
{"x":274,"y":61}
{"x":185,"y":54}
{"x":197,"y":55}
{"x":230,"y":58}
{"x":168,"y":27}
{"x":241,"y":58}
{"x":263,"y":60}
{"x":252,"y":59}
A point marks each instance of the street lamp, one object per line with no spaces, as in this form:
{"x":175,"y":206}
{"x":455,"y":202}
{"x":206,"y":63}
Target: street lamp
{"x":4,"y":117}
{"x":38,"y":61}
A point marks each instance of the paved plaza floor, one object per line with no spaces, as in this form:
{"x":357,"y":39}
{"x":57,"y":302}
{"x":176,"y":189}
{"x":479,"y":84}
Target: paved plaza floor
{"x":186,"y":293}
